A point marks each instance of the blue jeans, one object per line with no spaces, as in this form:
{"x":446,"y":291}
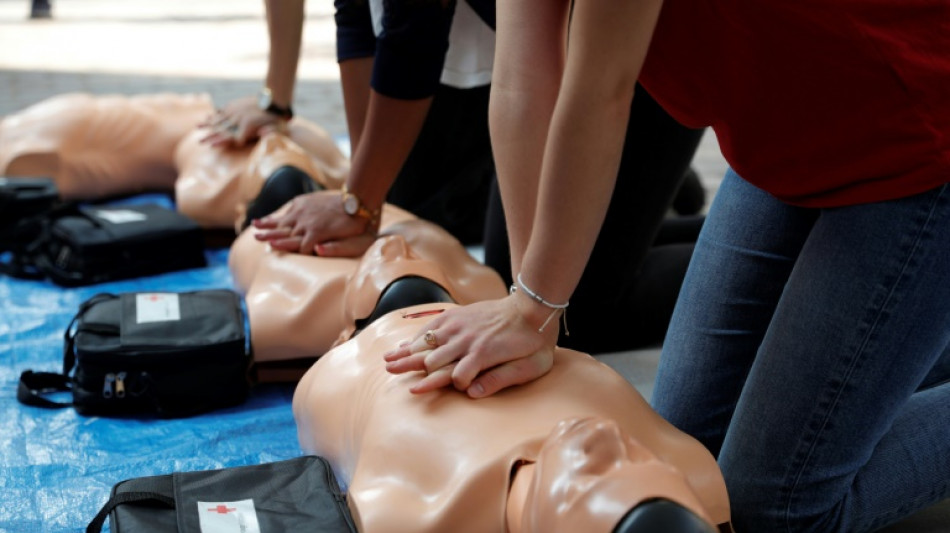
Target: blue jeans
{"x":808,"y":351}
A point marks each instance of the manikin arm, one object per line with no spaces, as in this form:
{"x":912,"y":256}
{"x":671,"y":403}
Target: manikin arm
{"x":498,"y":344}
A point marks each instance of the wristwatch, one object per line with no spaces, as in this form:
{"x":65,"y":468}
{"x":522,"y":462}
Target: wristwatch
{"x":265,"y":101}
{"x":354,"y":207}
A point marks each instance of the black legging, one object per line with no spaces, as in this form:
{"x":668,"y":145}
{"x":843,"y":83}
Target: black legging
{"x":448,"y":174}
{"x":627,"y":291}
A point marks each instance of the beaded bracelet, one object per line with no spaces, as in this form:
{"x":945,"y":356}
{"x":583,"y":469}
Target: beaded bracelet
{"x":537,"y":297}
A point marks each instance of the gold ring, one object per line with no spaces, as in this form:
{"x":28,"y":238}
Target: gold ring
{"x":430,"y":339}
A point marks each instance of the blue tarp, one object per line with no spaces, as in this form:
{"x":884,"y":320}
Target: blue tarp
{"x":57,"y":467}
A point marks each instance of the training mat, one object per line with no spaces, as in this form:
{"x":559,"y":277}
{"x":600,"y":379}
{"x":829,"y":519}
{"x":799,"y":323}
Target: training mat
{"x":57,"y":467}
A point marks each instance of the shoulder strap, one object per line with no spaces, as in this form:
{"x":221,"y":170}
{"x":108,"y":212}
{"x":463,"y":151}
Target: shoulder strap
{"x":33,"y":385}
{"x":127,"y":497}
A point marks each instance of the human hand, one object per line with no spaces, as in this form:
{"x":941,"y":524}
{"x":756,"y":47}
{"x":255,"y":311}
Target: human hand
{"x":480,"y":348}
{"x":316,"y":223}
{"x":239,"y":122}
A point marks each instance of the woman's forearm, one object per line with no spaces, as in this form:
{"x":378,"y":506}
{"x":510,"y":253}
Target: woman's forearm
{"x":388,"y":135}
{"x":608,"y":44}
{"x":355,"y":75}
{"x":285,"y":20}
{"x":529,"y":59}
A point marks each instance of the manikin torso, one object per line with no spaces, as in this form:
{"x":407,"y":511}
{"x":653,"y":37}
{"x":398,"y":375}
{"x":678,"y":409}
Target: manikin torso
{"x":441,"y":461}
{"x":95,"y":147}
{"x":299,"y":306}
{"x":99,"y":146}
{"x":215,"y":185}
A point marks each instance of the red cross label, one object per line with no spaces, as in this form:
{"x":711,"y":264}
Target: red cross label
{"x":156,"y":307}
{"x":228,"y":517}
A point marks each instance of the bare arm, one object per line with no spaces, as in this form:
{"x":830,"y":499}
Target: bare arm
{"x":609,"y":42}
{"x":241,"y":120}
{"x":316,"y":222}
{"x":383,"y":131}
{"x":355,"y":76}
{"x":285,"y":30}
{"x":529,"y":59}
{"x":389,"y":133}
{"x":496,"y":344}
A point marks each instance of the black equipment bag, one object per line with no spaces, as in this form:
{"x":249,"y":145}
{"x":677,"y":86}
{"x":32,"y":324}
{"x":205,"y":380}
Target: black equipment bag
{"x":168,"y":354}
{"x":84,"y":245}
{"x":21,"y":200}
{"x":296,"y":495}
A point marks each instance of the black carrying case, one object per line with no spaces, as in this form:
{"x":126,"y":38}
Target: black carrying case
{"x":296,"y":495}
{"x":85,"y":244}
{"x":168,"y":354}
{"x":21,"y":201}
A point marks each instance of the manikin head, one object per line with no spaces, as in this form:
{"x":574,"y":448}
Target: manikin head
{"x":589,"y":475}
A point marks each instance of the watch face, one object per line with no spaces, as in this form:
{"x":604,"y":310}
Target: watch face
{"x":351,"y":205}
{"x":264,"y":99}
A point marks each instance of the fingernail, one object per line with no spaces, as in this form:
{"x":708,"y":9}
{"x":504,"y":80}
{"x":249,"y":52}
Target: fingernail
{"x":476,"y":390}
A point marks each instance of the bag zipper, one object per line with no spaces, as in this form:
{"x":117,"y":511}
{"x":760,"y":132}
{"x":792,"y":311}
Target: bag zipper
{"x":114,"y":385}
{"x":120,"y":385}
{"x":107,"y":385}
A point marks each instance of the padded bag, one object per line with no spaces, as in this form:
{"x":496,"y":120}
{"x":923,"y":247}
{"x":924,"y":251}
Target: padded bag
{"x":297,"y":495}
{"x":94,"y":244}
{"x":21,"y":199}
{"x":170,"y":354}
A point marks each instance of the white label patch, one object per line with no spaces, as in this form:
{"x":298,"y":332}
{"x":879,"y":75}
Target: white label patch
{"x":121,"y":216}
{"x":156,"y":307}
{"x":228,"y":517}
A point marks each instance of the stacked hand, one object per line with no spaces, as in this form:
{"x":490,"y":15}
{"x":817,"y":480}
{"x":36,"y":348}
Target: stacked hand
{"x":239,"y":122}
{"x":315,"y":223}
{"x":479,"y":348}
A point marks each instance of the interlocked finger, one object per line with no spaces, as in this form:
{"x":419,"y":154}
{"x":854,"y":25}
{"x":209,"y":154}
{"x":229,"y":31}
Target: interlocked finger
{"x":409,"y":363}
{"x":434,"y":380}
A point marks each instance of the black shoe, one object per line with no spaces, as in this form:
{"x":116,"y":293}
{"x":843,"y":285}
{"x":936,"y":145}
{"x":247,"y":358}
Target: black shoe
{"x":41,"y":10}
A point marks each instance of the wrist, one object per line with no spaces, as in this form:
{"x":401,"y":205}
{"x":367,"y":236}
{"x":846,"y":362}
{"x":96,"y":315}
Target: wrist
{"x":267,"y":102}
{"x":536,"y":309}
{"x":353,"y":205}
{"x":542,"y":319}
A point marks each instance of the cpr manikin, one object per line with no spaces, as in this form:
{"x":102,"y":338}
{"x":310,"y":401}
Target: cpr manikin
{"x":216,"y":186}
{"x":95,"y":147}
{"x":99,"y":146}
{"x":300,"y":306}
{"x":576,"y":450}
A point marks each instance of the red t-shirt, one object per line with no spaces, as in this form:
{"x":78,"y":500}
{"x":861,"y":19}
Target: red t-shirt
{"x":821,"y":103}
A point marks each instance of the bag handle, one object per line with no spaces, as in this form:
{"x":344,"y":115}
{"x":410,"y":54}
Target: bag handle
{"x":33,"y":385}
{"x":126,"y":497}
{"x":69,"y":337}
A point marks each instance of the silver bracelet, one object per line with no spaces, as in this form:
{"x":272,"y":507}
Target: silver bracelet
{"x":536,"y":297}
